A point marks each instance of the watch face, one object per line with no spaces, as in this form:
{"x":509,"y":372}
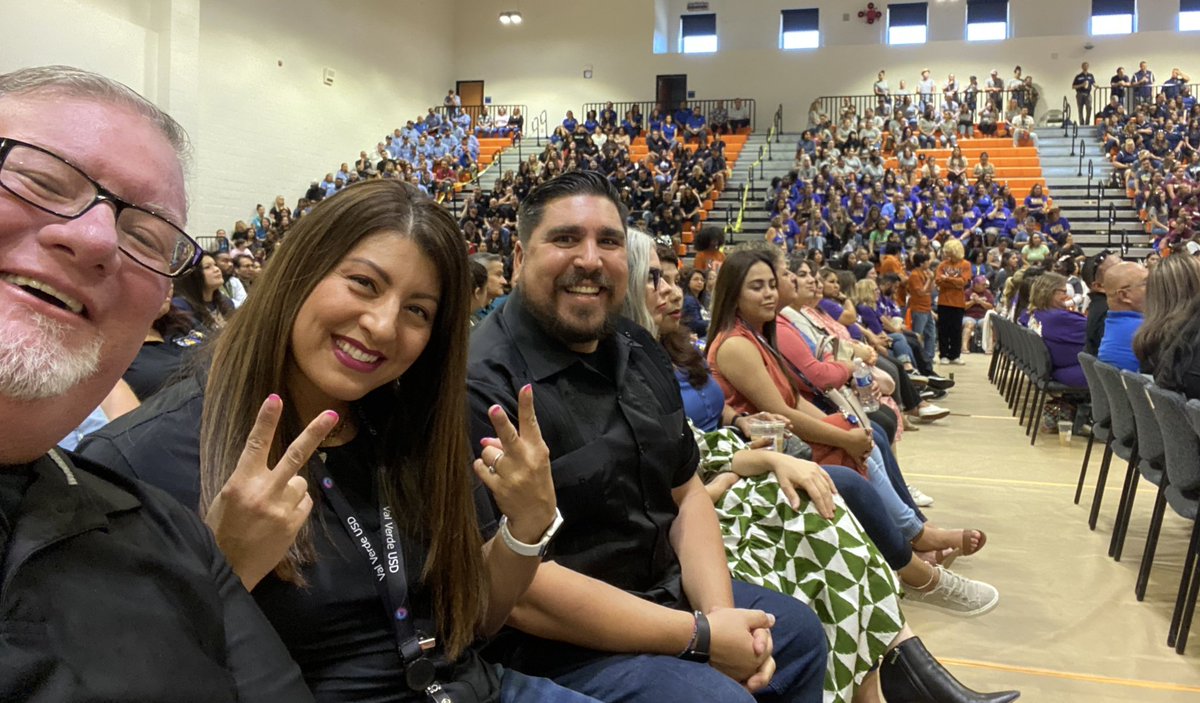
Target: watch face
{"x":419,"y":673}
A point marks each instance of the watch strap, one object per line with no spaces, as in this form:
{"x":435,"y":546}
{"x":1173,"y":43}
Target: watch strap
{"x":530,"y":550}
{"x":698,"y":649}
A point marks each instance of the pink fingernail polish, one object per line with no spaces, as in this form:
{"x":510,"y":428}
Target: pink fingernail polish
{"x":527,"y":387}
{"x":494,"y":410}
{"x":273,"y":397}
{"x":333,"y":414}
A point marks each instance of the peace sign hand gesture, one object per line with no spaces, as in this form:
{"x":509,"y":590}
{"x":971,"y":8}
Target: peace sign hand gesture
{"x":259,"y":510}
{"x":515,"y":466}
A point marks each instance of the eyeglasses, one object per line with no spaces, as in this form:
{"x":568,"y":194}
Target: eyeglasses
{"x":655,"y":277}
{"x":53,"y":185}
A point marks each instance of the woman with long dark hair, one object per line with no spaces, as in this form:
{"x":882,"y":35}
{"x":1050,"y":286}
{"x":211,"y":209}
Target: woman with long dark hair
{"x":367,"y":558}
{"x":199,"y":294}
{"x":757,"y":490}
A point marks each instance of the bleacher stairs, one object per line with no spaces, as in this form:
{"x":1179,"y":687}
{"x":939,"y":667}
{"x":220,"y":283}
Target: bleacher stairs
{"x":1088,"y":208}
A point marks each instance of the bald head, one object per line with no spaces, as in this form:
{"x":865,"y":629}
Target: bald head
{"x":1102,"y":270}
{"x":1126,"y":286}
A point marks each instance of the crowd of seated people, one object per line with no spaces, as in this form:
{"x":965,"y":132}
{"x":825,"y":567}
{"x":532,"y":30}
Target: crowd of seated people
{"x":931,"y":115}
{"x":1153,"y":144}
{"x":380,"y":489}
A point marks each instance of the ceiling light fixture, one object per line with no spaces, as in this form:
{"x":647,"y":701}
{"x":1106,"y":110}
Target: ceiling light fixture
{"x":511,"y":17}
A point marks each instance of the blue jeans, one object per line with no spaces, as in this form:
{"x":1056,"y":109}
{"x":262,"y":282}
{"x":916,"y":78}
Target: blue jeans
{"x":900,"y":348}
{"x":888,"y":482}
{"x":800,"y":657}
{"x":867,"y":507}
{"x":516,"y":687}
{"x":922,"y":324}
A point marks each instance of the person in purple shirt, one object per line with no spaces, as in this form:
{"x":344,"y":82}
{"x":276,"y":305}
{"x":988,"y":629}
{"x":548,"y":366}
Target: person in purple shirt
{"x":1062,"y":329}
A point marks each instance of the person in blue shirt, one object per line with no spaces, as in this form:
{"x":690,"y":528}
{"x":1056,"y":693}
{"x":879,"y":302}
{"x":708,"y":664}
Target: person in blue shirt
{"x":695,"y":126}
{"x":682,"y":114}
{"x":590,"y":123}
{"x":1056,"y":225}
{"x":570,"y":123}
{"x":631,"y":128}
{"x":1035,"y":203}
{"x":608,"y":116}
{"x":669,"y":128}
{"x":1125,"y":285}
{"x":432,"y":120}
{"x":1143,"y":84}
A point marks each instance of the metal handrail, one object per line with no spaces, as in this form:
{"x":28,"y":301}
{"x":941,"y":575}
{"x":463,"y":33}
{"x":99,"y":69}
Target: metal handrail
{"x":1099,"y":200}
{"x":833,"y":105}
{"x":777,"y":123}
{"x":545,"y":133}
{"x":1112,"y":219}
{"x":1101,"y":95}
{"x":1066,"y":110}
{"x":746,"y":187}
{"x":1082,"y":151}
{"x":762,"y":167}
{"x":646,"y":107}
{"x":1090,"y":173}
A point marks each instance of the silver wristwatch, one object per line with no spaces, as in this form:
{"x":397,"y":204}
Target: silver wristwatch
{"x":530,"y":550}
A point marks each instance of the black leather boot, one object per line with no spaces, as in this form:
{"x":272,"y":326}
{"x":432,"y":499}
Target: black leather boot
{"x":910,"y":674}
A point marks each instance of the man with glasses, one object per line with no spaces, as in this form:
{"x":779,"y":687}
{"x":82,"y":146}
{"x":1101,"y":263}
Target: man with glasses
{"x":111,"y":590}
{"x":1126,"y":284}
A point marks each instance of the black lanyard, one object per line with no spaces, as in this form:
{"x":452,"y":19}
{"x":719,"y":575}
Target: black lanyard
{"x":391,"y":582}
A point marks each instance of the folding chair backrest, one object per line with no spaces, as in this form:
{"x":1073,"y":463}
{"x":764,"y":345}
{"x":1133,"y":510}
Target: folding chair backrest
{"x":1123,"y":427}
{"x":1179,"y":422}
{"x":1150,"y":439}
{"x":1100,"y":411}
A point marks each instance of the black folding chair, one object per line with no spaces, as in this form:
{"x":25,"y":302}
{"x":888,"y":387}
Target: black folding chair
{"x":1179,"y":422}
{"x":1124,"y":437}
{"x":1101,"y":420}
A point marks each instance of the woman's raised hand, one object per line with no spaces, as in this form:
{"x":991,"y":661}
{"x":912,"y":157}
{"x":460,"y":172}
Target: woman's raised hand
{"x":515,"y":466}
{"x":260,"y":509}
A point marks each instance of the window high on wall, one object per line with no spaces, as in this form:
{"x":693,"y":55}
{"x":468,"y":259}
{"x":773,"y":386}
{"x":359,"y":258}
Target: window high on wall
{"x":800,"y":29}
{"x":908,"y":23}
{"x":1114,"y":16}
{"x":987,"y":20}
{"x":1189,"y":15}
{"x":698,"y":34}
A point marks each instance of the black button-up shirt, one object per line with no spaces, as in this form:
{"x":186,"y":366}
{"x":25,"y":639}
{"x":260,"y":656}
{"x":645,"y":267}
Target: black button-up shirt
{"x":111,"y":591}
{"x":619,"y":443}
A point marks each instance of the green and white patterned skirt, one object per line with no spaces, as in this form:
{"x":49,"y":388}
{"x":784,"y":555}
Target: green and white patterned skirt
{"x":832,"y":566}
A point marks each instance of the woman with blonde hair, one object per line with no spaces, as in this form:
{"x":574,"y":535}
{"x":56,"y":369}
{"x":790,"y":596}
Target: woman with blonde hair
{"x":953,"y":277}
{"x":367,"y":557}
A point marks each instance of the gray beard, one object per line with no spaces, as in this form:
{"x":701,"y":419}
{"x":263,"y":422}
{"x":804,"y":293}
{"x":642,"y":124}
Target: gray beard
{"x":36,"y":364}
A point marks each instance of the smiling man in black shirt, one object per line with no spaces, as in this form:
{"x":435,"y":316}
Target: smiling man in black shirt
{"x":634,"y":601}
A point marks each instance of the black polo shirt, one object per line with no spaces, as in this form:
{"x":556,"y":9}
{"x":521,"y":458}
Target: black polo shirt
{"x":114,"y":592}
{"x":619,"y":443}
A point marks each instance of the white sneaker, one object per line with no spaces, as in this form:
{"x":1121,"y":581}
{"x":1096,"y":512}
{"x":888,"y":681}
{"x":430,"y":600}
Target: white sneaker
{"x":943,"y":360}
{"x":957,"y":595}
{"x":959,"y":361}
{"x":922,"y":500}
{"x":929,"y":412}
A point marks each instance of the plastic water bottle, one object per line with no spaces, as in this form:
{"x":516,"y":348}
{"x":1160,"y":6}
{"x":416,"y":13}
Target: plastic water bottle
{"x":862,"y":385}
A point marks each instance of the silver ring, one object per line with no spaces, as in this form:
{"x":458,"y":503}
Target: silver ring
{"x":492,"y":466}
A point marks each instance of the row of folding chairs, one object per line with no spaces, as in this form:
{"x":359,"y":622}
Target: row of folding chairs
{"x":1021,"y":367}
{"x":1157,"y":433}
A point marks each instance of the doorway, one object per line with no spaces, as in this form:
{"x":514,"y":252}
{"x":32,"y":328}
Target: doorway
{"x":471,"y":95}
{"x":670,"y":91}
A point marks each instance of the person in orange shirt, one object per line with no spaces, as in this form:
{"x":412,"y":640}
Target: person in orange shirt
{"x":920,"y":303}
{"x":952,"y":279}
{"x":708,"y":243}
{"x":891,"y":263}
